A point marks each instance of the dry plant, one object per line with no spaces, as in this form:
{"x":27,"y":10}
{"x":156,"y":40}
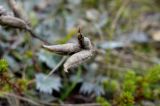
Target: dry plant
{"x":80,"y":52}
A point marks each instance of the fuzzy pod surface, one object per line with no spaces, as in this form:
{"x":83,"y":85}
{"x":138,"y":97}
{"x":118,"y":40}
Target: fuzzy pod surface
{"x":77,"y":59}
{"x":63,"y":49}
{"x":12,"y":22}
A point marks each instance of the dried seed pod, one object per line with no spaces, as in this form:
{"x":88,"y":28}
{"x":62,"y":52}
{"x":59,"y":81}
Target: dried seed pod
{"x":12,"y":22}
{"x":87,"y":44}
{"x":69,"y":48}
{"x":64,"y":49}
{"x":77,"y":59}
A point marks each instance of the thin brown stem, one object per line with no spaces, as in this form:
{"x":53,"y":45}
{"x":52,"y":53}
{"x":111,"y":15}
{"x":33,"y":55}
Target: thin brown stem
{"x":32,"y":33}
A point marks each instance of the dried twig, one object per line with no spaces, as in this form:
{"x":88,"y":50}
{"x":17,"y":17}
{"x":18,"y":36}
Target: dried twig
{"x":33,"y":34}
{"x":13,"y":101}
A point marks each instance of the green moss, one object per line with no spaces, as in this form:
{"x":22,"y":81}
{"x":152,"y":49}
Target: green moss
{"x":102,"y":101}
{"x":5,"y":89}
{"x":3,"y":65}
{"x":126,"y":99}
{"x":153,"y":74}
{"x":29,"y":54}
{"x":129,"y":83}
{"x":22,"y":83}
{"x":111,"y":85}
{"x":147,"y":90}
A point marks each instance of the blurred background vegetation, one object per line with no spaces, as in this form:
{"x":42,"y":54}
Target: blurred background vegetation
{"x":125,"y":72}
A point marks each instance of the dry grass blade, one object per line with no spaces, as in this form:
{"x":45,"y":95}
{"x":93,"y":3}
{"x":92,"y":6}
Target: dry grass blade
{"x":118,"y":15}
{"x":57,"y":66}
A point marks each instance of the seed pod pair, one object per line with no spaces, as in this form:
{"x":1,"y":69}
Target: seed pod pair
{"x":79,"y":58}
{"x":82,"y":51}
{"x":86,"y":53}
